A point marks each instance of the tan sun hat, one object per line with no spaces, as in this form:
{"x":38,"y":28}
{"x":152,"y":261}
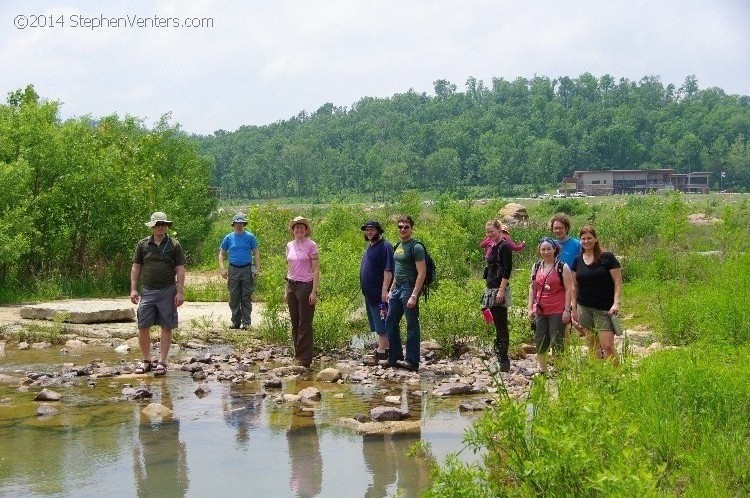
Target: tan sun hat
{"x":158,"y":217}
{"x":299,"y":220}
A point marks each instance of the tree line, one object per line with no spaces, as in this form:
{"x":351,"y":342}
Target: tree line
{"x":75,"y":194}
{"x":506,"y":138}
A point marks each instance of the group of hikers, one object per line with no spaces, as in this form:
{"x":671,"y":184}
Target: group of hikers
{"x":574,"y":283}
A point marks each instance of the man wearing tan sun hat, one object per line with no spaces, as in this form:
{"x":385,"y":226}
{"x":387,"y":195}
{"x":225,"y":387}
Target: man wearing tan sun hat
{"x":158,"y":262}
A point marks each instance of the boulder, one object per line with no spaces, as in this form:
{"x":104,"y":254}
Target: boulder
{"x":75,"y":344}
{"x":309,"y":395}
{"x":272,"y":383}
{"x":387,"y":413}
{"x":122,"y":348}
{"x":141,"y":392}
{"x":155,"y":411}
{"x":451,"y":388}
{"x":23,"y":345}
{"x":471,"y":406}
{"x":41,"y":345}
{"x":328,"y":375}
{"x":513,"y":213}
{"x":88,"y":311}
{"x":202,"y":390}
{"x":47,"y":395}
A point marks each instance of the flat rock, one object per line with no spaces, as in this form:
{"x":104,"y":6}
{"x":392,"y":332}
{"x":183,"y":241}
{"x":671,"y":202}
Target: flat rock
{"x":451,"y":388}
{"x":23,"y":345}
{"x":41,"y":345}
{"x":328,"y":375}
{"x":472,"y":406}
{"x":155,"y":410}
{"x":374,"y":428}
{"x":9,"y":379}
{"x":289,"y":370}
{"x":394,"y":400}
{"x":75,"y":344}
{"x":387,"y":413}
{"x":46,"y":410}
{"x":88,"y":311}
{"x":47,"y":395}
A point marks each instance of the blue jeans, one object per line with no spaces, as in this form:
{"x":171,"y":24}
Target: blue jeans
{"x":396,"y":309}
{"x":377,"y":324}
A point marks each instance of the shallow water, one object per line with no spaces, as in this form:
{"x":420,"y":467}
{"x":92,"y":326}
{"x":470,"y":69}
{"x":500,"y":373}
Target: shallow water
{"x":231,"y":441}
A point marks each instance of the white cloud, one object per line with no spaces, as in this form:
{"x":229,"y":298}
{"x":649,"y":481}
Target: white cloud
{"x":267,"y":60}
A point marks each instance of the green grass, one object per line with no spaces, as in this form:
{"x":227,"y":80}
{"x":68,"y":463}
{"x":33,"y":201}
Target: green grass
{"x":677,"y":424}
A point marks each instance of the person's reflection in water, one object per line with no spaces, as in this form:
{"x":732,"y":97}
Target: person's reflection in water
{"x":241,"y":411}
{"x":387,"y":460}
{"x":380,"y":460}
{"x":159,"y":457}
{"x":306,"y":478}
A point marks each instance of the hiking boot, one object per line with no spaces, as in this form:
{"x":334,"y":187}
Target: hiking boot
{"x":407,"y":365}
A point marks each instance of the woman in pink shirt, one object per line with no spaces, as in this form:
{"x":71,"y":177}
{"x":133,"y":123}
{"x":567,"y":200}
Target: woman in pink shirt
{"x":549,"y":300}
{"x":301,"y":290}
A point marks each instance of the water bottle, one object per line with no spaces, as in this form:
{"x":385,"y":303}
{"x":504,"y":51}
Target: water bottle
{"x":383,"y":310}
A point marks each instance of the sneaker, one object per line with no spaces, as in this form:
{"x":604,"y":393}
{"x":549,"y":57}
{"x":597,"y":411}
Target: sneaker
{"x":235,"y":326}
{"x":386,"y":364}
{"x":407,"y":365}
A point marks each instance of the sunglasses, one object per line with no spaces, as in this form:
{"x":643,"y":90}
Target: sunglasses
{"x":404,"y":227}
{"x":160,"y":224}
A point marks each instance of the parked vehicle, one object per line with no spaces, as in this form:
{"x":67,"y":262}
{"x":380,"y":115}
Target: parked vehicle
{"x":577,"y":194}
{"x":559,"y":195}
{"x":544,"y":196}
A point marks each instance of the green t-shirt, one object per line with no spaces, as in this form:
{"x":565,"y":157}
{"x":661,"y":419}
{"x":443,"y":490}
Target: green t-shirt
{"x":158,"y":262}
{"x":406,"y":267}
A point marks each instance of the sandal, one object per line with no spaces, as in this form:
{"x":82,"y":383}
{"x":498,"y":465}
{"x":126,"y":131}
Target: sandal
{"x":143,"y":367}
{"x":161,"y":369}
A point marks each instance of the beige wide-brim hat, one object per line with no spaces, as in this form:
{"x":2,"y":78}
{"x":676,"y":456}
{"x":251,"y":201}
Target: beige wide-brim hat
{"x":158,"y":217}
{"x":300,"y":220}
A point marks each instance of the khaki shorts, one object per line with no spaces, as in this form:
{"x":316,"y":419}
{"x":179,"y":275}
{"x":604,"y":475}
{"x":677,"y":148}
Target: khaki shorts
{"x":592,"y":318}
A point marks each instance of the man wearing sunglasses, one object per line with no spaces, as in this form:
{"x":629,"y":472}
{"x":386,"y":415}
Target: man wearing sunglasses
{"x":158,"y":262}
{"x":409,"y":274}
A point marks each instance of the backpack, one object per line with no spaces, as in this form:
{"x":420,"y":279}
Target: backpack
{"x":429,"y":279}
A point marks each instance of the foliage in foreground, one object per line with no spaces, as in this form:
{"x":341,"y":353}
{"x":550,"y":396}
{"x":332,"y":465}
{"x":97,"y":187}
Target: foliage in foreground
{"x":676,"y":424}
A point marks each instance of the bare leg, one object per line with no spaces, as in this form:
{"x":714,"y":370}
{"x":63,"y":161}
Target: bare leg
{"x":607,"y":343}
{"x":165,"y":342}
{"x":144,"y":342}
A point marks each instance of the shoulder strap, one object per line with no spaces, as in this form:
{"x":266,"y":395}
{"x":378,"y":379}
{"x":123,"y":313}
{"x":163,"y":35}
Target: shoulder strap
{"x":535,"y":270}
{"x":560,"y":267}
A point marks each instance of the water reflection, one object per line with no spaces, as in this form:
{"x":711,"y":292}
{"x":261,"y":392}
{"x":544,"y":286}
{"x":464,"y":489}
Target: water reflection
{"x":306,"y":462}
{"x":159,"y":456}
{"x":242,"y":412}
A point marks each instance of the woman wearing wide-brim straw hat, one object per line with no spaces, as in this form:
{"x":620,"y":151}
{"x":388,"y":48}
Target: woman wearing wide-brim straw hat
{"x":301,"y":290}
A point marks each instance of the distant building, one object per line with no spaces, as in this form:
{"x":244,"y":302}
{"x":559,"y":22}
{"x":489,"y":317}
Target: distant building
{"x":692,"y":182}
{"x":638,"y":181}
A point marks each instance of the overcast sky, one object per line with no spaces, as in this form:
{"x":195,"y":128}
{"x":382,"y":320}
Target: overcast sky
{"x":265,"y":61}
